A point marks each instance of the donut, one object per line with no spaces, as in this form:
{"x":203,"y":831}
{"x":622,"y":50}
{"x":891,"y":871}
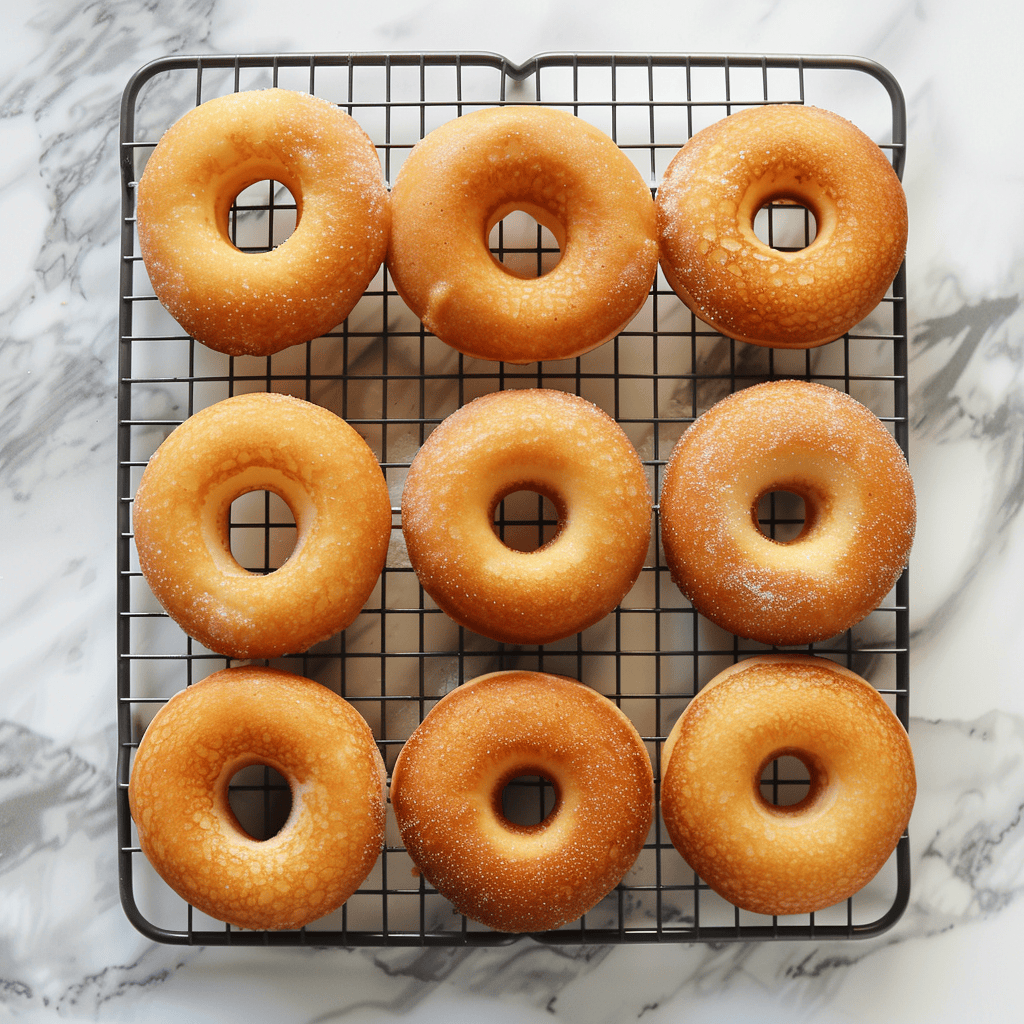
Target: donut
{"x":259,"y":303}
{"x":470,"y":173}
{"x":178,"y":795}
{"x":446,"y":792}
{"x":555,"y":444}
{"x":713,"y":189}
{"x":815,"y":853}
{"x":860,"y":513}
{"x":326,"y":474}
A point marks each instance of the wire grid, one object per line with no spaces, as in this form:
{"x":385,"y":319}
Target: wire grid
{"x":393,"y":381}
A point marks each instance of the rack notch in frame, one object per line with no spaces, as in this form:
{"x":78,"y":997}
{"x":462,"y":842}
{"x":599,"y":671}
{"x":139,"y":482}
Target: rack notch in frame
{"x":394,"y":382}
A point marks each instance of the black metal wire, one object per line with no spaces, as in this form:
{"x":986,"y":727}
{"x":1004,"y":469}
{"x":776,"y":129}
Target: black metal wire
{"x":384,"y":373}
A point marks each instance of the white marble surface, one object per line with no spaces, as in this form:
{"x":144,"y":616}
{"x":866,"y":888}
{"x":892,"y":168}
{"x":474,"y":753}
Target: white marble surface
{"x":66,"y":950}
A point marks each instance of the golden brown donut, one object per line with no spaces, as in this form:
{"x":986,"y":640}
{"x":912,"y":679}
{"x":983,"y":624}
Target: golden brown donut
{"x":860,"y":512}
{"x":812,"y":854}
{"x":259,"y":303}
{"x":178,"y":795}
{"x":466,"y":176}
{"x":560,"y":446}
{"x":329,"y":478}
{"x":713,"y":189}
{"x":446,"y":791}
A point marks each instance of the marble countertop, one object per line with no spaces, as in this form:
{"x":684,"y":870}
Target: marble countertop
{"x":66,"y":948}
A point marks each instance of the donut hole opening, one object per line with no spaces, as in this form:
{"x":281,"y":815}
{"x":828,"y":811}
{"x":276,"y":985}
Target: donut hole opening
{"x":785,"y":781}
{"x":781,"y":516}
{"x":523,"y":246}
{"x":526,"y":520}
{"x":262,"y":531}
{"x":261,"y":801}
{"x":785,"y":225}
{"x":262,"y":217}
{"x":527,"y":801}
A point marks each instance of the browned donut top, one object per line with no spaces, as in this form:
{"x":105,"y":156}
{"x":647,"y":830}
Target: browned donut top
{"x":811,"y":440}
{"x":179,"y":803}
{"x":451,"y":770}
{"x":467,"y":174}
{"x":259,"y":303}
{"x":787,"y":860}
{"x":718,"y":181}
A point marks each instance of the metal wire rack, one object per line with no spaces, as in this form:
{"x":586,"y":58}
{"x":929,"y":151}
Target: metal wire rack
{"x":394,"y":382}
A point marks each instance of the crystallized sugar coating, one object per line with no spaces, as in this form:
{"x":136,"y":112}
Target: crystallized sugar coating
{"x":446,"y":792}
{"x":329,"y":478}
{"x":820,"y":444}
{"x":312,"y":737}
{"x":813,"y":854}
{"x":468,"y":174}
{"x":558,"y":445}
{"x":716,"y":184}
{"x":259,"y":303}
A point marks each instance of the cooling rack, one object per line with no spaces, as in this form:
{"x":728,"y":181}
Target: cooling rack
{"x":394,"y":382}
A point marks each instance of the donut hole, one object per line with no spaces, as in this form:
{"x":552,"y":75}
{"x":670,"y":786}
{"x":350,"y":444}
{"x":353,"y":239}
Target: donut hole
{"x":527,"y":801}
{"x":526,"y":519}
{"x":792,"y":780}
{"x":789,"y":781}
{"x":261,"y":531}
{"x":785,"y":225}
{"x":262,"y":217}
{"x":524,"y":245}
{"x":261,"y":801}
{"x":781,"y":515}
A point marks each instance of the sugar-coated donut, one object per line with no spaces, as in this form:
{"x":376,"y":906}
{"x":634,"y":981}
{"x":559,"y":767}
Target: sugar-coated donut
{"x":259,"y":303}
{"x":446,"y":791}
{"x":178,"y":796}
{"x":326,"y":474}
{"x":470,"y":173}
{"x":814,"y":853}
{"x":713,"y":189}
{"x":860,"y":512}
{"x":555,"y":444}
